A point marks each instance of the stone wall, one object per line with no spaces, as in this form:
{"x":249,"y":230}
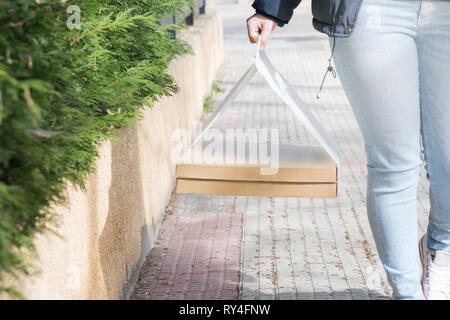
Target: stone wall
{"x":106,"y":231}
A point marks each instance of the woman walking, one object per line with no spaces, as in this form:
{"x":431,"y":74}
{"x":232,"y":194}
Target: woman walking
{"x":393,"y":59}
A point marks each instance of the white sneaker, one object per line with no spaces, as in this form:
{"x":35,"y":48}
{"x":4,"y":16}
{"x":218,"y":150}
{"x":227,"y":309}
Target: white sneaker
{"x":436,"y":272}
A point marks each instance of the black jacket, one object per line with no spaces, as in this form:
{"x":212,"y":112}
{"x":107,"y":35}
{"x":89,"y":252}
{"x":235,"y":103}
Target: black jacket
{"x":336,"y":18}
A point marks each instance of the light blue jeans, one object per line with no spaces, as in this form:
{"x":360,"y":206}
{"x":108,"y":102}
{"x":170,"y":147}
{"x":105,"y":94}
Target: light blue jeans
{"x":395,"y":69}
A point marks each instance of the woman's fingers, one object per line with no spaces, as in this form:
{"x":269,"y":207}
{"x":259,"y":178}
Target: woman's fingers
{"x":252,"y":28}
{"x":259,"y":24}
{"x":265,"y":34}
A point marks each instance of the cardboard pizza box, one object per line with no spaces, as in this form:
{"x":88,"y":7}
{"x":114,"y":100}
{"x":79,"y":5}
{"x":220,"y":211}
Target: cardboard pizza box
{"x":293,"y":171}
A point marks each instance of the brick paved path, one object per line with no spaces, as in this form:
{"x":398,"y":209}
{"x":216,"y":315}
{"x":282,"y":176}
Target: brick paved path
{"x":213,"y":247}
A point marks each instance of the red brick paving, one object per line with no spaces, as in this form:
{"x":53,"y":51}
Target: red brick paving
{"x":197,"y":254}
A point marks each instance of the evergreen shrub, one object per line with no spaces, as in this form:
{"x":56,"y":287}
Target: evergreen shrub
{"x":64,"y":87}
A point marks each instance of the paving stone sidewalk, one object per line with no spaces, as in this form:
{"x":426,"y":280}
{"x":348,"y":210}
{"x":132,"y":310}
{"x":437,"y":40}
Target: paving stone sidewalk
{"x":217,"y":247}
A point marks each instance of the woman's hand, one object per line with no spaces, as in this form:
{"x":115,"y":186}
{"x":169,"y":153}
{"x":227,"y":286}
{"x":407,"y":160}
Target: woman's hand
{"x":262,"y":25}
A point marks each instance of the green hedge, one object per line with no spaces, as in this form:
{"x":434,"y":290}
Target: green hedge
{"x":63,"y":92}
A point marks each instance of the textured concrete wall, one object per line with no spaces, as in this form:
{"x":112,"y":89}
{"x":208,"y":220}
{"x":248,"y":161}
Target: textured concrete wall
{"x":106,"y":231}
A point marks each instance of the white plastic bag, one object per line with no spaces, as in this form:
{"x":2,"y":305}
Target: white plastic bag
{"x":285,"y":91}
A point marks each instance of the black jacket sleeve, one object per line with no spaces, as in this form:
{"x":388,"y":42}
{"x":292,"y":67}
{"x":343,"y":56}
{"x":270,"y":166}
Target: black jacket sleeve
{"x":280,"y":10}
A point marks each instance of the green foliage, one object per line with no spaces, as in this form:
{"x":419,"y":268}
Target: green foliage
{"x":208,"y":104}
{"x":62,"y":92}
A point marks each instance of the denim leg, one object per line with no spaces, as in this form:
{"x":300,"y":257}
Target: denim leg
{"x":434,"y":61}
{"x":379,"y":69}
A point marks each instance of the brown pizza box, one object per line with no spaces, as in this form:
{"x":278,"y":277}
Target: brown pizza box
{"x":293,"y":171}
{"x":257,"y":189}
